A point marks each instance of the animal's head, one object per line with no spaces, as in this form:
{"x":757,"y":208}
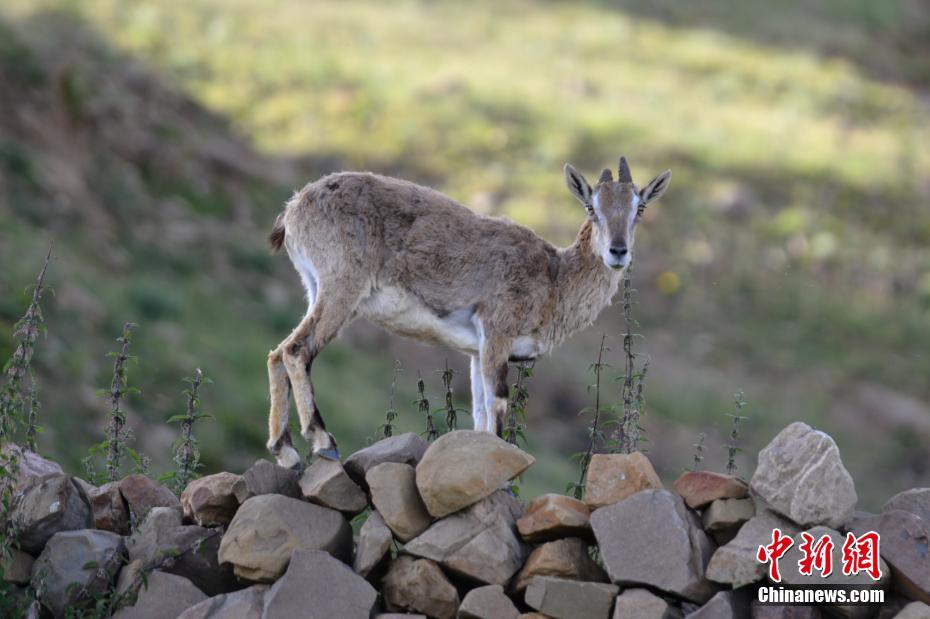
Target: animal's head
{"x":615,"y":207}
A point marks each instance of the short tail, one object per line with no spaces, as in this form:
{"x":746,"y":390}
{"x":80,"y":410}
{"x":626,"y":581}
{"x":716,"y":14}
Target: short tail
{"x":276,"y":238}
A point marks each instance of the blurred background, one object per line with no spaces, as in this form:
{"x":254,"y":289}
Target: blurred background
{"x":153,"y":143}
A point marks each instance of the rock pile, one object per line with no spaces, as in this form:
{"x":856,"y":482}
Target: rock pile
{"x":440,"y":535}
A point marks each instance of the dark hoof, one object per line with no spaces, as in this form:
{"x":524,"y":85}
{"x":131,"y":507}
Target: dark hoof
{"x":330,"y":454}
{"x":298,"y":467}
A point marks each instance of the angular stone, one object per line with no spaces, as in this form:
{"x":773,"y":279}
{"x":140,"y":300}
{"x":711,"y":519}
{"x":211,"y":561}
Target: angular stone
{"x":915,"y":501}
{"x":460,"y":468}
{"x":726,"y":514}
{"x":643,"y":604}
{"x":318,"y":586}
{"x":17,"y":568}
{"x":652,"y":539}
{"x":374,"y":541}
{"x":700,"y":488}
{"x":479,"y":542}
{"x":326,"y":483}
{"x":801,"y":476}
{"x":142,"y":494}
{"x":614,"y":477}
{"x":735,"y":563}
{"x":914,"y":610}
{"x":54,"y":504}
{"x":89,"y":558}
{"x":488,"y":602}
{"x":564,"y":558}
{"x":553,"y":516}
{"x":419,"y":585}
{"x":110,"y":510}
{"x":904,"y":539}
{"x":404,"y":448}
{"x":210,"y":501}
{"x":724,"y":605}
{"x":32,"y":466}
{"x":193,"y":550}
{"x":569,"y":599}
{"x":394,"y":494}
{"x":771,"y":611}
{"x":161,"y":595}
{"x":269,"y":528}
{"x":245,"y":604}
{"x":263,"y":477}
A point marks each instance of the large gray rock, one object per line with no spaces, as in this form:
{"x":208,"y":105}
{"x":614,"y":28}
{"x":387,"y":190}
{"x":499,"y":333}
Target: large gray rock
{"x":110,"y":510}
{"x":318,"y":586}
{"x":915,"y":500}
{"x":326,"y":483}
{"x":563,"y":558}
{"x":17,"y":567}
{"x":394,"y":494}
{"x":188,"y":551}
{"x":263,"y":477}
{"x":245,"y":604}
{"x":161,"y":595}
{"x":210,"y":501}
{"x":569,"y":599}
{"x":419,"y":585}
{"x":735,"y":563}
{"x":652,"y":539}
{"x":914,"y":610}
{"x":374,"y":541}
{"x":801,"y":476}
{"x":488,"y":602}
{"x":268,"y":528}
{"x":31,"y":467}
{"x":142,"y":494}
{"x":89,"y":558}
{"x":404,"y":448}
{"x":479,"y":542}
{"x":904,"y":539}
{"x":460,"y":468}
{"x":54,"y":504}
{"x":643,"y":604}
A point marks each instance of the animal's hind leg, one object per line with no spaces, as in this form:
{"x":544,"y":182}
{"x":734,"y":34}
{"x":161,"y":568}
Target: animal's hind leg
{"x":279,"y":434}
{"x":494,"y":366}
{"x":478,"y":413}
{"x":333,"y":308}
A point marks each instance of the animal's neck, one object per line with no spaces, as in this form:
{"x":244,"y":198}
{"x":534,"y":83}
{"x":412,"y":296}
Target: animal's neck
{"x":585,"y":285}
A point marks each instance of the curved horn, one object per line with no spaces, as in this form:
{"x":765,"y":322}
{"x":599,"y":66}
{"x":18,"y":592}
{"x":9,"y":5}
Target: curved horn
{"x":624,"y":175}
{"x":606,"y":176}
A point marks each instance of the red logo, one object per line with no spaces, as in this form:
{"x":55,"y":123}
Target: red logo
{"x":817,"y":556}
{"x":773,"y":552}
{"x":860,"y":554}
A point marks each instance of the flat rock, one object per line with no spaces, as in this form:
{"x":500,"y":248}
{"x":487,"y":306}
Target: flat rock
{"x":32,"y":466}
{"x":653,"y":539}
{"x":553,"y":516}
{"x":569,"y":599}
{"x":319,"y":586}
{"x":142,"y":494}
{"x":54,"y":504}
{"x":87,"y":557}
{"x":904,"y":538}
{"x":643,"y":604}
{"x":110,"y":510}
{"x":17,"y":567}
{"x":726,"y":514}
{"x":614,"y":477}
{"x":419,"y":585}
{"x":210,"y":501}
{"x":374,"y":541}
{"x":915,"y":500}
{"x":564,"y":558}
{"x":162,"y":595}
{"x":914,"y":610}
{"x":801,"y":476}
{"x":700,"y":488}
{"x":326,"y":483}
{"x":245,"y":604}
{"x":479,"y":542}
{"x":267,"y":529}
{"x":263,"y":477}
{"x":488,"y":602}
{"x":735,"y":563}
{"x":460,"y":468}
{"x":393,"y":488}
{"x":193,"y":550}
{"x":404,"y":449}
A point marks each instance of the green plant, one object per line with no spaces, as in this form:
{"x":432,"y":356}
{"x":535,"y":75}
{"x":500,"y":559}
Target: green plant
{"x":422,"y":403}
{"x":740,"y":402}
{"x":186,"y":448}
{"x":698,"y":452}
{"x":515,"y":428}
{"x":595,"y":432}
{"x":387,"y":428}
{"x":449,"y":409}
{"x":630,"y":432}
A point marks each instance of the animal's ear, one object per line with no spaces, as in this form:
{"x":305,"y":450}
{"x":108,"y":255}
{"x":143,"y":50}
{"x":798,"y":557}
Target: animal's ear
{"x":656,"y":187}
{"x":578,"y":185}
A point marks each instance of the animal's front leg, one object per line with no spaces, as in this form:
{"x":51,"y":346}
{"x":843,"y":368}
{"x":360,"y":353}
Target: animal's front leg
{"x":478,"y":412}
{"x":494,"y":356}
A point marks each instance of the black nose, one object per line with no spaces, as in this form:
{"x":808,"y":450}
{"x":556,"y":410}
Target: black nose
{"x":619,"y":252}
